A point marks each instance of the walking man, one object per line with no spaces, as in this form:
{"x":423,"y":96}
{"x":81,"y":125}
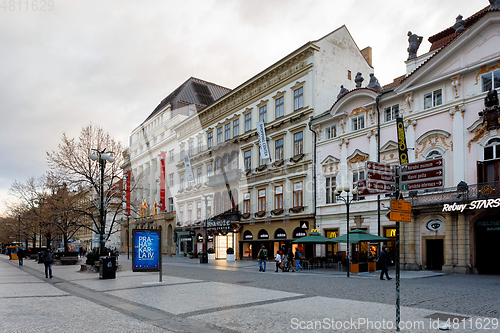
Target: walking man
{"x":297,"y":260}
{"x":20,"y":256}
{"x":384,"y":260}
{"x":262,"y":256}
{"x":48,"y":258}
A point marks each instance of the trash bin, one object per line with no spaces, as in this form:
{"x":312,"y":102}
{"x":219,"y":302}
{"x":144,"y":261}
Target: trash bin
{"x":40,"y":260}
{"x":107,"y":268}
{"x":203,"y":257}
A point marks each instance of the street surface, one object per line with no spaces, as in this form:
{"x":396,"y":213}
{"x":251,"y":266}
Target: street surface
{"x":236,"y":297}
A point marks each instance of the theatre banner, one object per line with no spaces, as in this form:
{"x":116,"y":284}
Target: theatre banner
{"x":147,"y":250}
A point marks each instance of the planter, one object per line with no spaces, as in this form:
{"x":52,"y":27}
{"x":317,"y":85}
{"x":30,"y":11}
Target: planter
{"x":191,"y":256}
{"x":354,"y":268}
{"x":372,"y":266}
{"x":230,"y":257}
{"x":211,"y":256}
{"x":359,"y":267}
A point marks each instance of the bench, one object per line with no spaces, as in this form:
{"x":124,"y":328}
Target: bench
{"x":69,"y":260}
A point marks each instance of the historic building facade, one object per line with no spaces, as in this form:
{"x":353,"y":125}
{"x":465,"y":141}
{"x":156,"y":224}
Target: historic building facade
{"x":442,"y":101}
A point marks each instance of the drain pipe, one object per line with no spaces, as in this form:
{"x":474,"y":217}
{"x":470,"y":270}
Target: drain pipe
{"x":314,"y":171}
{"x":377,"y":100}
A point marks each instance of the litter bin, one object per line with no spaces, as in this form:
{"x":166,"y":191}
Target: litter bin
{"x":40,"y":260}
{"x":107,"y":268}
{"x":203,"y":257}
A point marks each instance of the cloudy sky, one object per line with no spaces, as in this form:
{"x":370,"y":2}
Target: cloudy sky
{"x":110,"y":62}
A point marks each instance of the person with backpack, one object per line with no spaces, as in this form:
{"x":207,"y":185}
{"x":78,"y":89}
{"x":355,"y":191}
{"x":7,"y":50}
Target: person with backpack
{"x":262,"y":256}
{"x":298,"y":256}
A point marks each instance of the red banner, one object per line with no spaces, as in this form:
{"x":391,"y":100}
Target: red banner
{"x":163,"y":157}
{"x":128,"y":179}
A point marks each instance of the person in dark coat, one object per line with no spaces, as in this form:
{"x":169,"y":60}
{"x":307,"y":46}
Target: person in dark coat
{"x":20,"y":256}
{"x":384,"y":260}
{"x":48,"y":258}
{"x":290,"y":259}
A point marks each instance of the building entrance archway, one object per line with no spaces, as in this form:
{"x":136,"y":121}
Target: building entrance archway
{"x":487,"y":234}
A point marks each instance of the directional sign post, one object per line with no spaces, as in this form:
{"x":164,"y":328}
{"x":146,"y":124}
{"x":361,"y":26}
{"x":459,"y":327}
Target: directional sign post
{"x":380,"y":178}
{"x":422,"y":175}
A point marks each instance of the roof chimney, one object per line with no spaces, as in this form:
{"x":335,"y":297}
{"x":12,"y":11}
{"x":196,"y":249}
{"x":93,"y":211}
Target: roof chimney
{"x":367,"y":53}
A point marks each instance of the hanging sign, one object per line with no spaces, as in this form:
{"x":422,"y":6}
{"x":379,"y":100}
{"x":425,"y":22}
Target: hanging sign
{"x":261,"y":132}
{"x":189,"y":170}
{"x":403,"y":149}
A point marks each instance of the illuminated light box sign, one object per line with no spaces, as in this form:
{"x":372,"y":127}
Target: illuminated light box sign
{"x":146,"y":245}
{"x":476,"y":204}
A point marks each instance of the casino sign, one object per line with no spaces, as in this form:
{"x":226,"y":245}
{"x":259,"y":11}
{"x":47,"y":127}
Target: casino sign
{"x":222,"y":224}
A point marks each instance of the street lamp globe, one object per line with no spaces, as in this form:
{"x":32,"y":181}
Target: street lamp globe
{"x":94,"y":157}
{"x":347,"y":188}
{"x":111,"y":159}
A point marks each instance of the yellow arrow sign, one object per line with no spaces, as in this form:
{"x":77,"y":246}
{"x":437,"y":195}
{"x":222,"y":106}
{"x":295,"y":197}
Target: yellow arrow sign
{"x":401,"y":205}
{"x":399,"y":216}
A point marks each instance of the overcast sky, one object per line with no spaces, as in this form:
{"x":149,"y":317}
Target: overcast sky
{"x":110,"y":62}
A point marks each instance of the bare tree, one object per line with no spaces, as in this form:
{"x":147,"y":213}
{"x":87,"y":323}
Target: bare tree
{"x":73,"y":165}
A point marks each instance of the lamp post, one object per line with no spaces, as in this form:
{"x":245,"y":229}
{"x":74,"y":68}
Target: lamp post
{"x":102,"y":157}
{"x":347,"y":200}
{"x":206,"y":229}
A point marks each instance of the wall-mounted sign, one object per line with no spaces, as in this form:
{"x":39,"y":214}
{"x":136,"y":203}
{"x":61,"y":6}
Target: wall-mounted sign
{"x":390,"y":232}
{"x":263,"y":234}
{"x":476,"y":204}
{"x":280,"y":234}
{"x":147,"y":245}
{"x":210,"y":238}
{"x":304,"y":225}
{"x":247,"y":235}
{"x":261,"y":134}
{"x":299,"y":232}
{"x":332,"y":234}
{"x":435,"y":225}
{"x":402,"y":148}
{"x":219,"y":225}
{"x":189,"y":170}
{"x":185,"y":239}
{"x":192,"y":232}
{"x":199,"y":238}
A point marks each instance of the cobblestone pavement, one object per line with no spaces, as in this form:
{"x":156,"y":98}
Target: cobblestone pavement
{"x":235,"y":297}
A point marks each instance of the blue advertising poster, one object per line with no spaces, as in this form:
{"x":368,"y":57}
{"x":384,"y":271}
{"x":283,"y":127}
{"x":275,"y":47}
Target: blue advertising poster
{"x":146,"y":256}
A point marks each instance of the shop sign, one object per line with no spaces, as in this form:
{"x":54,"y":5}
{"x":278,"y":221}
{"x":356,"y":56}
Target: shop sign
{"x":281,"y":234}
{"x":210,"y":238}
{"x":489,"y":225}
{"x":476,"y":204}
{"x":191,"y":233}
{"x":299,"y":233}
{"x":248,"y":235}
{"x":304,"y":225}
{"x":185,"y":239}
{"x":332,"y":234}
{"x":263,"y":234}
{"x":435,"y":225}
{"x":199,"y":238}
{"x":219,"y":226}
{"x":390,"y":232}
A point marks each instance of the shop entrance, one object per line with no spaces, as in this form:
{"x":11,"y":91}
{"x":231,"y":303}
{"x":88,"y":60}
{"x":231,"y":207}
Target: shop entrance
{"x":487,"y":234}
{"x":435,"y":259}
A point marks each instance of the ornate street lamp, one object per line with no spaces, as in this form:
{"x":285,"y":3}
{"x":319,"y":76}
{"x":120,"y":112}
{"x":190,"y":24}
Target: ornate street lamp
{"x":102,"y":157}
{"x":347,"y":200}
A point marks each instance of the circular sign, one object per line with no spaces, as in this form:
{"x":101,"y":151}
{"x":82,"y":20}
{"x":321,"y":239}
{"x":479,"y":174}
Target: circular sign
{"x":435,"y":225}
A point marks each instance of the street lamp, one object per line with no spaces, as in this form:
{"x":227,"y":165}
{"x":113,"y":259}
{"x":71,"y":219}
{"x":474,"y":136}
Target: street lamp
{"x":205,"y":197}
{"x":347,"y":202}
{"x":102,"y":157}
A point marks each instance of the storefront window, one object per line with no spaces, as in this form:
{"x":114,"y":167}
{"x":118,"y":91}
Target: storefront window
{"x":222,"y":243}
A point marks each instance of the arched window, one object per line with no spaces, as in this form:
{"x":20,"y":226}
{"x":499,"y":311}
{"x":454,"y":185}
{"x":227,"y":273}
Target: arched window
{"x":492,"y":149}
{"x":433,"y":155}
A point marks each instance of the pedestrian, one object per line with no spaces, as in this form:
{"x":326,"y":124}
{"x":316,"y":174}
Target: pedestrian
{"x":284,"y":262}
{"x":84,"y":251}
{"x":290,"y":260}
{"x":48,"y":258}
{"x":262,"y":256}
{"x":297,"y":260}
{"x":277,"y":260}
{"x":80,"y":251}
{"x":384,"y":260}
{"x":20,"y":256}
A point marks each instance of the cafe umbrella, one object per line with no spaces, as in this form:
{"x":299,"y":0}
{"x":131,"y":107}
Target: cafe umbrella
{"x":314,"y":237}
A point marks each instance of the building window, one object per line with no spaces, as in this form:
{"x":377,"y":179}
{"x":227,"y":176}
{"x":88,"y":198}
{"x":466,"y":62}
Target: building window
{"x":200,"y":144}
{"x":356,"y":176}
{"x":209,"y":170}
{"x":210,"y":139}
{"x":491,"y":80}
{"x":181,"y":213}
{"x":248,"y":122}
{"x":297,"y":194}
{"x":278,"y":150}
{"x":263,"y":114}
{"x":182,"y":153}
{"x":357,"y":123}
{"x":182,"y":181}
{"x":278,"y":197}
{"x":191,"y":148}
{"x":227,"y":131}
{"x":331,"y":184}
{"x":433,"y":99}
{"x":391,"y":113}
{"x":298,"y":144}
{"x":248,"y":160}
{"x":330,"y":132}
{"x":298,"y":99}
{"x":171,"y":179}
{"x":246,"y":203}
{"x":279,"y":110}
{"x":198,"y":175}
{"x":209,"y":207}
{"x":190,"y":212}
{"x":170,"y":205}
{"x":236,"y":128}
{"x":198,"y":210}
{"x":262,"y":200}
{"x":171,"y":155}
{"x":219,"y":135}
{"x":491,"y":150}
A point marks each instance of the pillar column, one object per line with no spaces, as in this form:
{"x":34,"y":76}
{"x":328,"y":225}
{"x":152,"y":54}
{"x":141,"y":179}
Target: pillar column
{"x":448,"y":245}
{"x":462,"y":245}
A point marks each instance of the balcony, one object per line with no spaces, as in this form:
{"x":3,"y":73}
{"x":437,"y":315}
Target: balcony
{"x":466,"y":193}
{"x":226,"y":177}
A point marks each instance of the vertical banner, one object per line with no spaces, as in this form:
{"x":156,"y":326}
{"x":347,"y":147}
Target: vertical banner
{"x":162,"y":204}
{"x":128,"y":179}
{"x":189,"y":170}
{"x":403,"y":149}
{"x":261,"y":131}
{"x":147,"y":250}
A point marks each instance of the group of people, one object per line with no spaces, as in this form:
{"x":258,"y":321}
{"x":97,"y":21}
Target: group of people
{"x":284,"y":260}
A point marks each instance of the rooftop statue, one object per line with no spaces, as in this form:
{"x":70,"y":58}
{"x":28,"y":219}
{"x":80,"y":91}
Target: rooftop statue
{"x":415,"y":42}
{"x":459,"y":25}
{"x":342,"y":92}
{"x":358,"y":79}
{"x":491,"y":98}
{"x":374,"y":83}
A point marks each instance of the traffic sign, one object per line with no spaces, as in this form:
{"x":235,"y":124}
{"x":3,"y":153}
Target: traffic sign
{"x":424,"y":174}
{"x":416,"y":166}
{"x":401,"y":205}
{"x":370,"y":175}
{"x":398,"y":216}
{"x":379,"y":167}
{"x":422,"y":184}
